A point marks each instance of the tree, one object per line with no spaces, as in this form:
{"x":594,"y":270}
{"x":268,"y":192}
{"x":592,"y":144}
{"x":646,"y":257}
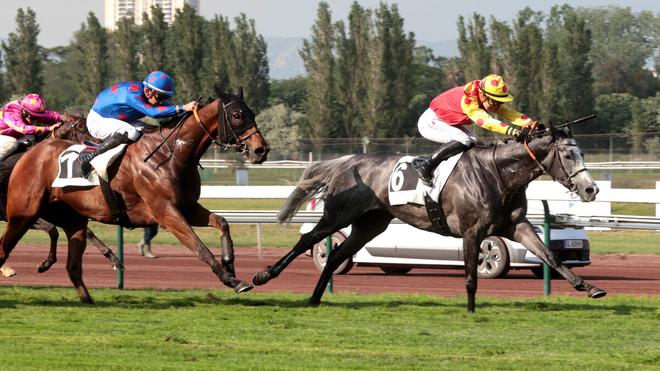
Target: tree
{"x":280,"y":126}
{"x":24,"y":58}
{"x":526,"y":54}
{"x":90,"y":55}
{"x":500,"y":34}
{"x":249,"y":63}
{"x":352,"y":66}
{"x":154,"y":44}
{"x":126,"y":47}
{"x":291,"y":92}
{"x":220,"y":53}
{"x":60,"y":88}
{"x":319,"y":62}
{"x":399,"y":120}
{"x":622,"y":43}
{"x":186,"y":51}
{"x":474,"y":48}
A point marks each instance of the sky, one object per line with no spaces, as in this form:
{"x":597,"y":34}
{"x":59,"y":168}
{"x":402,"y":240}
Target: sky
{"x":430,"y":20}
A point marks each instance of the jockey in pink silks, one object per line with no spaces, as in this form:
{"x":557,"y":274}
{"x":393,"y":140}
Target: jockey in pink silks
{"x":27,"y":117}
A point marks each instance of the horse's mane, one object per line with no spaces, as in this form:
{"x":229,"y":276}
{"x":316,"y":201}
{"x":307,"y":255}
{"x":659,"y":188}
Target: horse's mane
{"x":171,"y":122}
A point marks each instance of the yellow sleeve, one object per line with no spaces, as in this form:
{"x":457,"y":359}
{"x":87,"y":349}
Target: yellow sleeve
{"x":513,"y":116}
{"x":480,"y":117}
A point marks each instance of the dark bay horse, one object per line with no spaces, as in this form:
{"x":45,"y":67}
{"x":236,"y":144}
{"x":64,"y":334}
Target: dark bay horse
{"x":484,"y":196}
{"x":162,"y":190}
{"x":72,"y":128}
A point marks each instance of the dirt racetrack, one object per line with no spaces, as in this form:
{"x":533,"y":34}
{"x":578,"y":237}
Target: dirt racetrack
{"x":177,"y":268}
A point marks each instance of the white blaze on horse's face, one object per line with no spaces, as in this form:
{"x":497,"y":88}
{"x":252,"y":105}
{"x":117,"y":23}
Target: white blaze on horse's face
{"x":576,"y":177}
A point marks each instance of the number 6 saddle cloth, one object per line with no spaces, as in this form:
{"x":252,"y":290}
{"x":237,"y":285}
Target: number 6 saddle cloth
{"x":405,"y":187}
{"x":68,"y":173}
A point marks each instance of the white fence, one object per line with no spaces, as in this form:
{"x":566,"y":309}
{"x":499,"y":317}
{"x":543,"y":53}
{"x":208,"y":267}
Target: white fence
{"x":567,"y":210}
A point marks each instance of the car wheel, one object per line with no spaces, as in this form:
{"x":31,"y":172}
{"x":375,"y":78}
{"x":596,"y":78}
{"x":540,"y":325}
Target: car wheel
{"x":493,"y":258}
{"x":395,"y":270}
{"x":320,"y":257}
{"x":538,"y":272}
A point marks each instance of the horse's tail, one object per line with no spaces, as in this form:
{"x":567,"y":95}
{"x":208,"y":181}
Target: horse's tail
{"x":313,"y":181}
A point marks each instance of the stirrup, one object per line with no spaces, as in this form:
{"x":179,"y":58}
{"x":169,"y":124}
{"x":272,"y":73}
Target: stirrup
{"x":422,"y":168}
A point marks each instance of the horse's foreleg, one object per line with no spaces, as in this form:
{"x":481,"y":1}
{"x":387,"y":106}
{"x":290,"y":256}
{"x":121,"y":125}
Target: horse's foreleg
{"x":471,"y":259}
{"x":105,"y":250}
{"x":202,"y":217}
{"x":76,"y":233}
{"x":173,"y":221}
{"x":14,"y":230}
{"x":524,"y":233}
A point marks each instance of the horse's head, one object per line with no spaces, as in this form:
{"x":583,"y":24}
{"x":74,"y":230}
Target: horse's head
{"x":237,"y":127}
{"x":564,"y":162}
{"x":73,"y":128}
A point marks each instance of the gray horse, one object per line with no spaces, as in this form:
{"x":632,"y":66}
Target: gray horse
{"x":484,"y":196}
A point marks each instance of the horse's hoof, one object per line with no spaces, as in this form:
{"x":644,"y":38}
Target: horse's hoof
{"x":42,"y":268}
{"x":261,"y":278}
{"x":243,"y":287}
{"x":596,"y":293}
{"x":7,"y":272}
{"x":314,"y":302}
{"x":118,"y":266}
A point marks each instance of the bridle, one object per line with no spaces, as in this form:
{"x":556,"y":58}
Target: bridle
{"x":567,"y":178}
{"x":235,"y":138}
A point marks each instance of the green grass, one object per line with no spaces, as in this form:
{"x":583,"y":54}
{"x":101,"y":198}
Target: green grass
{"x":624,"y":242}
{"x":46,"y":328}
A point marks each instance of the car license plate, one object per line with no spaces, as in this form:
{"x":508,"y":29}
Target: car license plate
{"x":573,"y":244}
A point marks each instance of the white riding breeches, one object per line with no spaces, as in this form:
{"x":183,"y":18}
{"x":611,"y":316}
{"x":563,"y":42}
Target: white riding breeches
{"x":433,"y":128}
{"x":7,"y":146}
{"x":102,"y":127}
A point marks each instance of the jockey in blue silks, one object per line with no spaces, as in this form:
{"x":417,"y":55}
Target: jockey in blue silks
{"x":114,"y":117}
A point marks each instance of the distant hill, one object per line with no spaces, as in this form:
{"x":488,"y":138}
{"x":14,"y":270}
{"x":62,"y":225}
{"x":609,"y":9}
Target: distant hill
{"x":285,"y":62}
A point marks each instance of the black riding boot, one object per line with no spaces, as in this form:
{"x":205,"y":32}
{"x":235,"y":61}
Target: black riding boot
{"x":424,"y":165}
{"x":108,"y":144}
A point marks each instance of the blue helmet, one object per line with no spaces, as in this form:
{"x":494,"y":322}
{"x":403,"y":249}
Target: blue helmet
{"x":160,"y":81}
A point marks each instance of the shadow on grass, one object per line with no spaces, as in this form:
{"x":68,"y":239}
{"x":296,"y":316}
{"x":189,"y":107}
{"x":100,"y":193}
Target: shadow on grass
{"x":168,"y":299}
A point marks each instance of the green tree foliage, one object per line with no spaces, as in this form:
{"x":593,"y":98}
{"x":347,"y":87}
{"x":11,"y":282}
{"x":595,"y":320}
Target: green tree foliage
{"x":645,"y":118}
{"x":399,"y":120}
{"x":291,"y":92}
{"x":220,"y":53}
{"x":474,"y":48}
{"x":60,"y":88}
{"x":24,"y":58}
{"x":154,"y":31}
{"x":280,"y":125}
{"x":526,"y":54}
{"x":428,"y":82}
{"x":352,"y":72}
{"x":186,"y":45}
{"x":90,"y":55}
{"x":125,"y":42}
{"x":623,"y":41}
{"x":249,"y":63}
{"x":318,"y":58}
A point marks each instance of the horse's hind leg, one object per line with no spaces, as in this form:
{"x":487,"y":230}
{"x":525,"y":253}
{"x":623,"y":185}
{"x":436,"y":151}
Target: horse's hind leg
{"x":52,"y":253}
{"x":363,"y":230}
{"x":326,"y":226}
{"x":471,"y":259}
{"x":524,"y":234}
{"x":76,"y":233}
{"x":105,"y":250}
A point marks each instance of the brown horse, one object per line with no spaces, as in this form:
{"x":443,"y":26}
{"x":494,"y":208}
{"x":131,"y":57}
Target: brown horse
{"x":72,"y":128}
{"x":162,"y":190}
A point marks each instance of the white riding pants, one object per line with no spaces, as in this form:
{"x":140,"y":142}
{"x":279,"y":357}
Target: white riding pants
{"x":7,"y":146}
{"x":102,"y":127}
{"x":433,"y":128}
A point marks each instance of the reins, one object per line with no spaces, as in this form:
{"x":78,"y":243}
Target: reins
{"x":568,"y":178}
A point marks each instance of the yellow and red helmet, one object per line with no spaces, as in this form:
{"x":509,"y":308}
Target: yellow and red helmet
{"x":495,"y":88}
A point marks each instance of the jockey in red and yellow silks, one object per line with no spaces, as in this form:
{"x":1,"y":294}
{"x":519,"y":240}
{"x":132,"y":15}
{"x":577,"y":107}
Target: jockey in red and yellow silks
{"x":448,"y":114}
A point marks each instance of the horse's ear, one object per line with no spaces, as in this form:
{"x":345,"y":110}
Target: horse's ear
{"x":553,"y":131}
{"x":240,"y":93}
{"x":221,"y":94}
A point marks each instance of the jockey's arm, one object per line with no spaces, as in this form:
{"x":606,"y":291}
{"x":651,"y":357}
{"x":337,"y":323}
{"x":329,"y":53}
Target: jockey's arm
{"x":156,"y":112}
{"x":15,"y":121}
{"x":480,"y":117}
{"x":514,"y":116}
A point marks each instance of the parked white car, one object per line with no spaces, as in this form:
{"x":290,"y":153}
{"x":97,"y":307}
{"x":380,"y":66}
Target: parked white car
{"x":403,"y":247}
